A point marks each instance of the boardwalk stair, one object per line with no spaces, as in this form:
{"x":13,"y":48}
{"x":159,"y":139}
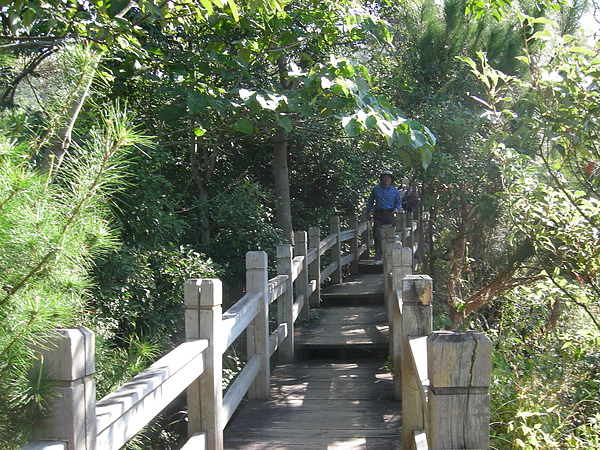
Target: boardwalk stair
{"x":339,"y":393}
{"x":320,"y":386}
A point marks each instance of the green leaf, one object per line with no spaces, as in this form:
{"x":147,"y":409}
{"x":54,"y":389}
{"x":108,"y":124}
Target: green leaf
{"x":406,"y":159}
{"x":244,"y":125}
{"x":116,"y":6}
{"x":352,"y":127}
{"x":234,"y":10}
{"x":208,"y":6}
{"x":285,"y":122}
{"x":370,"y":122}
{"x":582,"y":51}
{"x":418,"y":139}
{"x":170,"y":113}
{"x":196,"y":102}
{"x":468,"y":60}
{"x":426,"y":155}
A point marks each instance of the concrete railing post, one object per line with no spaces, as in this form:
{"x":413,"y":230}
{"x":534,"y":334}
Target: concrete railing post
{"x":366,"y":236}
{"x":417,"y":321}
{"x":401,"y":224}
{"x":336,"y":250}
{"x":314,"y":242}
{"x":257,"y":280}
{"x":388,"y":239}
{"x":459,"y":366}
{"x":285,"y":305}
{"x":354,"y":244}
{"x":301,"y":249}
{"x":68,"y":362}
{"x":410,"y":232}
{"x":203,"y":317}
{"x":401,"y":267}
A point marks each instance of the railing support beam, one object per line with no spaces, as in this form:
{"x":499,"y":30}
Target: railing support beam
{"x":460,"y":365}
{"x":301,"y":249}
{"x":257,"y":280}
{"x":401,"y":267}
{"x":68,"y":361}
{"x":336,"y":250}
{"x":417,"y":320}
{"x":203,"y":315}
{"x":314,"y":243}
{"x":285,"y":305}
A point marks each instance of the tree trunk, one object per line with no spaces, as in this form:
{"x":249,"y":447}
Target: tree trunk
{"x":281,"y":179}
{"x":202,"y":194}
{"x":457,"y":265}
{"x":61,"y":141}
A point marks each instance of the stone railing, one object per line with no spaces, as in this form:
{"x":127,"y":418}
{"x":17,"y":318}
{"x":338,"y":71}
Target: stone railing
{"x":79,"y":422}
{"x":441,"y":377}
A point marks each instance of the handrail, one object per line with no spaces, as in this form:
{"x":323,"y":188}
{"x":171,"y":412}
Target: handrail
{"x":117,"y":417}
{"x":444,"y":376}
{"x":196,"y":364}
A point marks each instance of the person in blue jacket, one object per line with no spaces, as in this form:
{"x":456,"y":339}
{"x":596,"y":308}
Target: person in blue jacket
{"x":385,"y":201}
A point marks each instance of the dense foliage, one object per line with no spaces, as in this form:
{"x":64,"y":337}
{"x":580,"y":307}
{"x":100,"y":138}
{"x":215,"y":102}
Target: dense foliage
{"x":267,"y":117}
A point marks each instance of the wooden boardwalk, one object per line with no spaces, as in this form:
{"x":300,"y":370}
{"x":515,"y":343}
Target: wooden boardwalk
{"x":339,"y":395}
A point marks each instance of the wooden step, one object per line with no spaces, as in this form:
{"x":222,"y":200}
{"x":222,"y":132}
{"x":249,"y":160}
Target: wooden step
{"x":355,"y":290}
{"x":344,"y":333}
{"x":321,"y":405}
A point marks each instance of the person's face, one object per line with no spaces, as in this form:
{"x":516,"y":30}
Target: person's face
{"x":386,"y":180}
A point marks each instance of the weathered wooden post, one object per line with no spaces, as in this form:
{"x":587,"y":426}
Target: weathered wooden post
{"x":388,"y":238}
{"x":301,"y":249}
{"x":203,"y":317}
{"x":366,"y":236}
{"x":336,"y":250}
{"x":460,"y":365}
{"x":417,"y":321}
{"x":257,"y":280}
{"x":285,"y":305}
{"x":401,"y":223}
{"x":410,"y":231}
{"x":314,"y":243}
{"x":68,"y":362}
{"x":401,"y":267}
{"x":354,"y":244}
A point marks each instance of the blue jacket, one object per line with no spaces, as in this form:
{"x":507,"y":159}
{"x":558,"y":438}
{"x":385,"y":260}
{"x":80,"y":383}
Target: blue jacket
{"x":384,"y":198}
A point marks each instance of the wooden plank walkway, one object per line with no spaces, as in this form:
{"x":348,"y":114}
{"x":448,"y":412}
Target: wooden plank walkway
{"x":321,"y":405}
{"x":338,"y":395}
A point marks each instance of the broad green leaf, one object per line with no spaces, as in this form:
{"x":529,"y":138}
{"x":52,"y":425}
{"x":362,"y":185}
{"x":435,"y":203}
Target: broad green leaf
{"x":368,"y":146}
{"x":244,"y":125}
{"x":116,"y":6}
{"x":468,"y":60}
{"x":418,"y":139}
{"x":196,"y":102}
{"x":370,"y":122}
{"x":285,"y":122}
{"x":352,"y":127}
{"x":426,"y":155}
{"x":171,"y":113}
{"x":545,"y":21}
{"x":582,"y":51}
{"x":234,"y":10}
{"x":543,"y":35}
{"x":406,"y":159}
{"x":208,"y":5}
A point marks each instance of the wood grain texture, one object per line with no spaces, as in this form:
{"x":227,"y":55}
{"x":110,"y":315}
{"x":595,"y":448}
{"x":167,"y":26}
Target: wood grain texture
{"x":321,"y":405}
